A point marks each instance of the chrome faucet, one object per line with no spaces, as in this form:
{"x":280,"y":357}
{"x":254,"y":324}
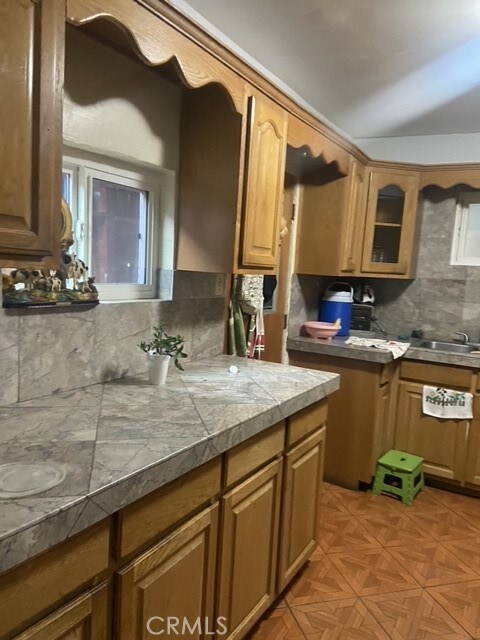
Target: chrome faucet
{"x":464,"y":337}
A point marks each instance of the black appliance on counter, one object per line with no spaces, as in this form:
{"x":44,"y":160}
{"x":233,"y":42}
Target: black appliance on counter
{"x":362,"y":317}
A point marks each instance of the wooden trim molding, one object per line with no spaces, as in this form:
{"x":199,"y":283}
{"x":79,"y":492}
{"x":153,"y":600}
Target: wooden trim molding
{"x":301,"y":135}
{"x":449,"y":175}
{"x":194,"y":32}
{"x":157,"y":43}
{"x":205,"y":60}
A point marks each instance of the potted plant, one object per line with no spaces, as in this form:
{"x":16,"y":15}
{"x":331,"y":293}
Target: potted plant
{"x":160,"y":350}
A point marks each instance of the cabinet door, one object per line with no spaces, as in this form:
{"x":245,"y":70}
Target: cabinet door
{"x":303,"y":473}
{"x":440,"y":442}
{"x":382,"y":432}
{"x":265,"y":174}
{"x":31,"y":49}
{"x":83,"y":619}
{"x":354,"y":220}
{"x":330,"y":233}
{"x":472,"y":475}
{"x":174,"y":579}
{"x":249,"y":544}
{"x":390,"y":223}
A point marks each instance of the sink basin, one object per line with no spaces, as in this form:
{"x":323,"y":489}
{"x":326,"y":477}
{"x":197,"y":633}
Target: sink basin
{"x":453,"y":347}
{"x":20,"y":479}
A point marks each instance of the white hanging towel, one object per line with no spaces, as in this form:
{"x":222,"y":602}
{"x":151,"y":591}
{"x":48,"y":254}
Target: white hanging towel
{"x":447,"y":403}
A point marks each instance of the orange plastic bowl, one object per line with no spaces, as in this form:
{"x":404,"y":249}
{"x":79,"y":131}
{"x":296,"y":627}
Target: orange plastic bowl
{"x":324,"y":330}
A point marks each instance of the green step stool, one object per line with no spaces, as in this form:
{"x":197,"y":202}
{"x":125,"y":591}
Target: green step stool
{"x":399,"y":474}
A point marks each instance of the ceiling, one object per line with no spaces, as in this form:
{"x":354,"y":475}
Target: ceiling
{"x":374,"y":68}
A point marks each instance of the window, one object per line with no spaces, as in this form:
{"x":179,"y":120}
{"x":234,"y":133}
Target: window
{"x":466,"y":237}
{"x":123,"y":223}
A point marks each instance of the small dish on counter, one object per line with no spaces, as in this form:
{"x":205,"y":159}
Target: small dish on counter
{"x":322,"y":330}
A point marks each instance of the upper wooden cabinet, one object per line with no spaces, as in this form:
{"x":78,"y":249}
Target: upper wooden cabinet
{"x":390,"y":223}
{"x":263,"y":184}
{"x":332,"y":222}
{"x":31,"y":49}
{"x":360,"y":224}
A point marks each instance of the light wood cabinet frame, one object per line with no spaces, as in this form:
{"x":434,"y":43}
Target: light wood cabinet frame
{"x":408,"y":183}
{"x":303,"y":474}
{"x":263,"y":182}
{"x":32,"y":48}
{"x":83,"y":619}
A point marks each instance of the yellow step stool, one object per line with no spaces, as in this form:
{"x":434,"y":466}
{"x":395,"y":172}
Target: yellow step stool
{"x":399,"y":474}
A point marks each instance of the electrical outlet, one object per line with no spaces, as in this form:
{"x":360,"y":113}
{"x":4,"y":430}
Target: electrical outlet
{"x":219,"y":284}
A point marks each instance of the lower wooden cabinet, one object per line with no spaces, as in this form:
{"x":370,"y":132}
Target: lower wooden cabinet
{"x":441,"y":443}
{"x":472,"y":471}
{"x":303,"y":473}
{"x":173,"y":580}
{"x":204,"y":556}
{"x":360,"y":425}
{"x":450,"y":448}
{"x":83,"y":619}
{"x":249,"y":542}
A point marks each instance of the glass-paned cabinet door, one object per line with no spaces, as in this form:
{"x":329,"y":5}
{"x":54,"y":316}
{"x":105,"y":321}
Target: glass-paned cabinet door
{"x":390,"y":223}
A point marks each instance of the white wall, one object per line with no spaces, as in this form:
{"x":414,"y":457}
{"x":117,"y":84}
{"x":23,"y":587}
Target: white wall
{"x":116,"y":106}
{"x":433,"y":149}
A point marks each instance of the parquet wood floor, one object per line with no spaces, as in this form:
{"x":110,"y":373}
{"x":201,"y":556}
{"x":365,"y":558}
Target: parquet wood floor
{"x":384,"y":571}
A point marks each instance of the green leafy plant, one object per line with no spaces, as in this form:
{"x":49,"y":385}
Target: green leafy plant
{"x":163,"y":344}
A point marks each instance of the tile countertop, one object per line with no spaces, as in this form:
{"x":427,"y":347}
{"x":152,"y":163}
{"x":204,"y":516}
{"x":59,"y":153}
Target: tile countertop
{"x":337,"y":347}
{"x":121,"y":440}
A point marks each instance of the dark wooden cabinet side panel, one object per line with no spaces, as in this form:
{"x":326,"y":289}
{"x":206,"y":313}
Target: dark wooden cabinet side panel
{"x":32,"y":51}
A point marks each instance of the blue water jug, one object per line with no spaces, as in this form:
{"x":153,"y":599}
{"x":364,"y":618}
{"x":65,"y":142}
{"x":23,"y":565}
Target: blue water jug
{"x":337,"y":303}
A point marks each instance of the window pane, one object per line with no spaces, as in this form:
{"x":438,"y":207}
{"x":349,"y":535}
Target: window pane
{"x":472,"y":236}
{"x":119,"y":233}
{"x":67,"y":187}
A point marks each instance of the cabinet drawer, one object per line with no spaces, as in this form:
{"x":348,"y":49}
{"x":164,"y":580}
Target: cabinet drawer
{"x":150,"y":516}
{"x":436,"y":374}
{"x":306,"y":421}
{"x":39,"y":584}
{"x":253,"y":453}
{"x":83,"y":619}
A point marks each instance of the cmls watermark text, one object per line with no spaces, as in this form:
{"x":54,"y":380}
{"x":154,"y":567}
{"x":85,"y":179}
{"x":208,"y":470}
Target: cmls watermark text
{"x":171,"y":625}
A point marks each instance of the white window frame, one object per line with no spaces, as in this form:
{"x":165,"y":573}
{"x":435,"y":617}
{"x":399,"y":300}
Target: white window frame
{"x":160,"y":185}
{"x":458,"y":256}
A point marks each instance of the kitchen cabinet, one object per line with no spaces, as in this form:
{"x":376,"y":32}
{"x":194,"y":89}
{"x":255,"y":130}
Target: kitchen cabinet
{"x":449,"y":452}
{"x":175,"y":578}
{"x":331,"y":222}
{"x":362,"y":224}
{"x":360,"y":427}
{"x":303,"y":473}
{"x":216,"y":531}
{"x":225,"y":228}
{"x":266,"y":145}
{"x":32,"y":53}
{"x":441,"y":443}
{"x":390,"y":223}
{"x":249,"y":544}
{"x":472,"y":473}
{"x":45,"y":583}
{"x":83,"y":619}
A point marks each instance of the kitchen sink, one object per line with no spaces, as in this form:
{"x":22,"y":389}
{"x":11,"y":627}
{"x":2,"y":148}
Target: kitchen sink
{"x":453,"y":347}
